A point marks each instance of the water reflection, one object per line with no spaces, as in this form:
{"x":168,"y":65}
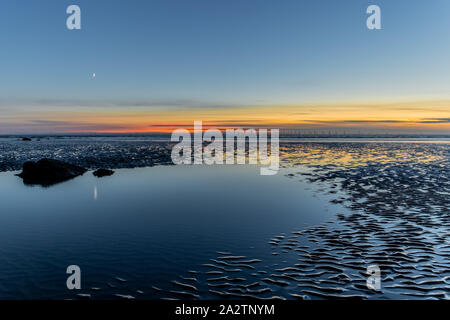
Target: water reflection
{"x":149,"y":226}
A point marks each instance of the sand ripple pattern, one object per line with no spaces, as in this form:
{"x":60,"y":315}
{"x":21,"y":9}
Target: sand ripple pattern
{"x":400,"y":220}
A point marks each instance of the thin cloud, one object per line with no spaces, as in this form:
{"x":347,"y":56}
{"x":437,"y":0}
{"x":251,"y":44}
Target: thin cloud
{"x":67,"y":126}
{"x":354,"y":121}
{"x":216,"y":124}
{"x":435,"y":120}
{"x":119,"y":103}
{"x":375,"y":121}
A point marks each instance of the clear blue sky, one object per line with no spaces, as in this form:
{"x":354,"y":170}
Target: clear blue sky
{"x":221,"y":52}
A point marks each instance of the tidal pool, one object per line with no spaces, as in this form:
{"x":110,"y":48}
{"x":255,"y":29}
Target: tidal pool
{"x":148,"y":226}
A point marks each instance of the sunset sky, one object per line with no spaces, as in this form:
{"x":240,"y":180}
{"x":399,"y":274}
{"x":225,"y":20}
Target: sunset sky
{"x":160,"y":65}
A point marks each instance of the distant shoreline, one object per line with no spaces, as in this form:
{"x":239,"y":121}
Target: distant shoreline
{"x":166,"y":137}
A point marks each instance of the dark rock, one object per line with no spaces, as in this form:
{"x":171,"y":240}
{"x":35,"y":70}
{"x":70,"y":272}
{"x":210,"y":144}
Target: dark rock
{"x":102,"y":173}
{"x":26,"y":139}
{"x":49,"y":171}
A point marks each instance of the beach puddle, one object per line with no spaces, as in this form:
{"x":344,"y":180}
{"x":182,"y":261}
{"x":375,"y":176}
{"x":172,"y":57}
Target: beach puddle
{"x":138,"y":232}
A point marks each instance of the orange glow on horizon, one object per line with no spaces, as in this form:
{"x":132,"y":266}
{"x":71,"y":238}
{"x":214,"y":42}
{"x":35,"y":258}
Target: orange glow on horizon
{"x":418,"y":115}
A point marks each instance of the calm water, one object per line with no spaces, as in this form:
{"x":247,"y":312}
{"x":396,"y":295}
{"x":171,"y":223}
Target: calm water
{"x":145,"y":225}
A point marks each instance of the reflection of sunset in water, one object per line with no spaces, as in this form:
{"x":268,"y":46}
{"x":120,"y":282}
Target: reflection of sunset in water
{"x":351,"y":154}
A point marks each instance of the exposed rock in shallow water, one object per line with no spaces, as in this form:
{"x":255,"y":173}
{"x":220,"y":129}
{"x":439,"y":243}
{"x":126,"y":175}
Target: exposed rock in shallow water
{"x":49,"y":171}
{"x":103,"y":173}
{"x":26,"y":139}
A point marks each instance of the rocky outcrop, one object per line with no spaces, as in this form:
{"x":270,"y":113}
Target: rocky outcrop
{"x":49,"y":171}
{"x":102,"y":173}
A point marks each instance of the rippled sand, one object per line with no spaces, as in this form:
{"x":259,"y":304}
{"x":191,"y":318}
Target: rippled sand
{"x":399,"y":196}
{"x":397,"y":193}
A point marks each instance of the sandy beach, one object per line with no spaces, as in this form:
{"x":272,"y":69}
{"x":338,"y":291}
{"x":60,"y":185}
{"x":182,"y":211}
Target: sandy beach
{"x":378,"y":203}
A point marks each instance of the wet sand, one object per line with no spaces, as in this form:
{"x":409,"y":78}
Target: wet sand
{"x":400,"y":221}
{"x":397,"y":216}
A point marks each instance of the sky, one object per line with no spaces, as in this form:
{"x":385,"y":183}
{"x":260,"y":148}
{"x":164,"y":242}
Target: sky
{"x":161,"y":64}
